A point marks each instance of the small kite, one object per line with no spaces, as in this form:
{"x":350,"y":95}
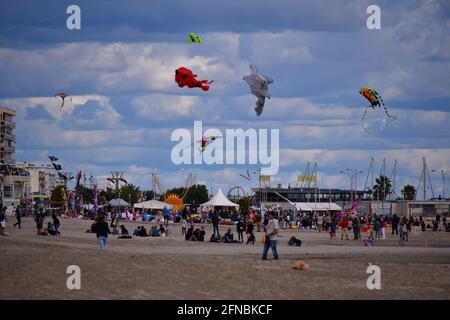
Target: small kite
{"x":259,"y":86}
{"x":246,"y":176}
{"x":185,"y":77}
{"x":375,"y":101}
{"x":204,"y":141}
{"x":63,"y":96}
{"x":53,"y":158}
{"x":194,"y":38}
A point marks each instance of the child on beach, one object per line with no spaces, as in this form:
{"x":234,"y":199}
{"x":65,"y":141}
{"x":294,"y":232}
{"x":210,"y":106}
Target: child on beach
{"x":183,"y":227}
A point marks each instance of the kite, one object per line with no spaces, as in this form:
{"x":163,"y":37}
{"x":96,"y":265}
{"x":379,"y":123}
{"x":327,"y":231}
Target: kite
{"x":194,"y":38}
{"x":204,"y":141}
{"x":57,"y":166}
{"x":53,"y":159}
{"x":246,"y":176}
{"x":185,"y":77}
{"x":63,"y":96}
{"x":259,"y":86}
{"x":375,"y":101}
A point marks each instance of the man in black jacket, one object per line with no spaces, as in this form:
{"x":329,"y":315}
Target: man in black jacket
{"x":395,"y":222}
{"x":101,"y":228}
{"x":215,"y":222}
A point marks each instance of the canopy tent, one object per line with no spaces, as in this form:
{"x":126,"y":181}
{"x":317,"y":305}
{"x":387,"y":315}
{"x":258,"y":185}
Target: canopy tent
{"x":319,"y":206}
{"x":152,"y":204}
{"x":118,"y":203}
{"x":302,"y":206}
{"x":219,"y":200}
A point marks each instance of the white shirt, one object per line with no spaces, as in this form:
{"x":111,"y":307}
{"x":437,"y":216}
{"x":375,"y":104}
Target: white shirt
{"x":271,"y":226}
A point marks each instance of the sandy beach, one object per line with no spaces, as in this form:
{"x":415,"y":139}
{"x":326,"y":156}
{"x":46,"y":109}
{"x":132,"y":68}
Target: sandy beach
{"x":34,"y":267}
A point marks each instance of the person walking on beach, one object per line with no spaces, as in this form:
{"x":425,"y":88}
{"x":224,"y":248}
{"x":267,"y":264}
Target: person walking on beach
{"x":39,"y":218}
{"x":2,"y":218}
{"x":100,"y":227}
{"x":18,"y":214}
{"x":271,"y":236}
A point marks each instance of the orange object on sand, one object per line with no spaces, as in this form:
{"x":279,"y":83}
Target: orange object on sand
{"x":300,"y":265}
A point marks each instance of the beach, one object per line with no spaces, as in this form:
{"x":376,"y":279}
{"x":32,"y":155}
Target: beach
{"x":35,"y":267}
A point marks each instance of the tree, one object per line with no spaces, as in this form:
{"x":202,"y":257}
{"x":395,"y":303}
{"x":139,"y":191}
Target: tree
{"x":197,"y":194}
{"x":244,"y":204}
{"x":382,"y":187}
{"x":409,"y":192}
{"x":88,"y":194}
{"x":130,"y":193}
{"x":57,"y":194}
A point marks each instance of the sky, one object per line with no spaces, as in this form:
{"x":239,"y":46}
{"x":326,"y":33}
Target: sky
{"x":119,"y":68}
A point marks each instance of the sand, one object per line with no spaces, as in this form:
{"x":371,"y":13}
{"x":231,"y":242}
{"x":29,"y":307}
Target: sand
{"x":34,"y":267}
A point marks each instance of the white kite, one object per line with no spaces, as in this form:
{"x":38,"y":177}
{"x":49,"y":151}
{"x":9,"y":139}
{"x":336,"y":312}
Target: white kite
{"x":259,"y":84}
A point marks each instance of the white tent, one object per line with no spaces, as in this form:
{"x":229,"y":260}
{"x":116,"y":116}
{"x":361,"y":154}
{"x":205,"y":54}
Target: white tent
{"x":118,"y":203}
{"x":152,"y":204}
{"x":219,"y":200}
{"x":302,"y":206}
{"x":319,"y":206}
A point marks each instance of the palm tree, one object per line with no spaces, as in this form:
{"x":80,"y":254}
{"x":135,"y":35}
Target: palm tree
{"x":409,"y":192}
{"x":382,"y":187}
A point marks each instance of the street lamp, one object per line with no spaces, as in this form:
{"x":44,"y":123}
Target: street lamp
{"x":443,"y":173}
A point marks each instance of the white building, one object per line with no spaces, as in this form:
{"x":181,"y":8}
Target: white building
{"x":43,"y":179}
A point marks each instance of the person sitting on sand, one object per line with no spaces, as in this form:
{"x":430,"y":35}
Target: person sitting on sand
{"x":228,"y":237}
{"x":154,"y":231}
{"x":162,"y":231}
{"x":51,"y":229}
{"x":293,"y":241}
{"x":137,"y":231}
{"x":214,"y":238}
{"x":142,"y":232}
{"x":199,"y":235}
{"x":189,"y":233}
{"x":123,"y":231}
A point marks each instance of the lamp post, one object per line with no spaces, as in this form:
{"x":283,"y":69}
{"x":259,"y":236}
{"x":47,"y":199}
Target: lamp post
{"x":443,"y":173}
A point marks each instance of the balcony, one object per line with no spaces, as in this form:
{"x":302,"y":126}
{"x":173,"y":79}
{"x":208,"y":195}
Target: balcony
{"x":8,"y":149}
{"x":9,"y":123}
{"x":9,"y":136}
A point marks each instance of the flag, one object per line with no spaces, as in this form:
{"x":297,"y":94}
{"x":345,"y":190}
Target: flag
{"x":62,"y":176}
{"x":57,"y":166}
{"x":53,"y":159}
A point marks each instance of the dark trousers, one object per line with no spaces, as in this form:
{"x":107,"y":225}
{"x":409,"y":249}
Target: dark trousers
{"x":183,"y":231}
{"x":216,"y":228}
{"x":240,"y":235}
{"x":395,"y":229}
{"x":18,"y":222}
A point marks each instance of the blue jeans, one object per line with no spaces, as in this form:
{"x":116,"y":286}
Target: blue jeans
{"x":270,"y":244}
{"x":102,"y":242}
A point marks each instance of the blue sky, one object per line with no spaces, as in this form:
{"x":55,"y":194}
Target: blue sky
{"x":120,"y":66}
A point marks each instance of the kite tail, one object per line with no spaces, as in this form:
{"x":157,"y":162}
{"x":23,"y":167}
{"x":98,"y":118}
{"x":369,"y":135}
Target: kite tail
{"x":62,"y":105}
{"x":362,"y":121}
{"x":387,"y":113}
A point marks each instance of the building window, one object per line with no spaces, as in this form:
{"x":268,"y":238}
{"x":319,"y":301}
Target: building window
{"x":7,"y":191}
